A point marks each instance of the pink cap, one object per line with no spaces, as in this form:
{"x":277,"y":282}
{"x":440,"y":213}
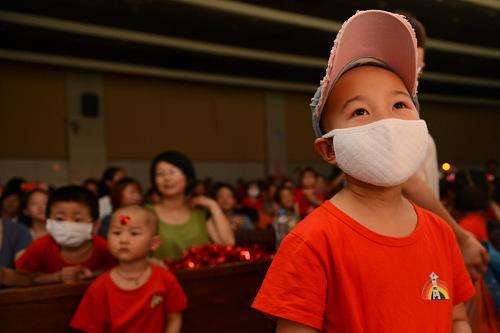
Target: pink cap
{"x":377,"y":35}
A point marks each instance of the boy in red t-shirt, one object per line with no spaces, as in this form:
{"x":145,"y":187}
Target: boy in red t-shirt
{"x":368,"y":260}
{"x":135,"y":296}
{"x":70,"y":251}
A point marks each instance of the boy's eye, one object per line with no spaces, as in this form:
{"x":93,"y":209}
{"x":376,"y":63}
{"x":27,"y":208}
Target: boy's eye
{"x":135,"y":233}
{"x":116,"y":232}
{"x":400,"y":105}
{"x":359,"y":112}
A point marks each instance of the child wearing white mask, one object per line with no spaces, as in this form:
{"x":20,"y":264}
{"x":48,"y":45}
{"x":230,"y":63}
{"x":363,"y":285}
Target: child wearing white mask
{"x":70,"y":251}
{"x":368,"y":260}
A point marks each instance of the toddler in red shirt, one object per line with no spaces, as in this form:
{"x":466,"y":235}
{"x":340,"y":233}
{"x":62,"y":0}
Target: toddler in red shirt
{"x":368,"y":260}
{"x":70,"y":251}
{"x":135,"y":296}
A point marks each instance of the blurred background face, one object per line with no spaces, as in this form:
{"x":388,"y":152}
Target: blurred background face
{"x":119,"y":175}
{"x":131,"y":195}
{"x":92,"y":187}
{"x":308,"y":180}
{"x":36,"y":206}
{"x":11,"y":205}
{"x":169,"y":180}
{"x":253,"y":190}
{"x":226,"y":199}
{"x":200,"y":189}
{"x":286,"y":198}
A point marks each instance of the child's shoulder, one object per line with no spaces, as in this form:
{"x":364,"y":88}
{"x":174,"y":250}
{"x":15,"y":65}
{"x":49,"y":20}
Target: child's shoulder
{"x":322,"y":223}
{"x":433,"y":223}
{"x":100,"y":283}
{"x":162,"y":273}
{"x":44,"y":242}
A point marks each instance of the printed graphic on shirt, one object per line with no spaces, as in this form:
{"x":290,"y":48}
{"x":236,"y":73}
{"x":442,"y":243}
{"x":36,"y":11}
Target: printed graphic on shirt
{"x":155,"y":300}
{"x":435,"y":289}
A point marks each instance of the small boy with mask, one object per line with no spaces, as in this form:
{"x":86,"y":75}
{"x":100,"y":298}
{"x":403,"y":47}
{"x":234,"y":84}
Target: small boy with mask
{"x":368,"y":260}
{"x":135,"y":296}
{"x":70,"y":251}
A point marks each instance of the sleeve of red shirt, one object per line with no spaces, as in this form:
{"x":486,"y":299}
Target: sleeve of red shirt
{"x":91,"y":315}
{"x":295,"y":284}
{"x":463,"y":289}
{"x":33,"y":259}
{"x":176,"y":300}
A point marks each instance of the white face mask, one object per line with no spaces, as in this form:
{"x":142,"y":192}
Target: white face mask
{"x":384,"y":153}
{"x":69,"y":234}
{"x":253,"y":192}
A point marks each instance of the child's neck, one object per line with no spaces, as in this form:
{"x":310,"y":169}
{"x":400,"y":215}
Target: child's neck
{"x":133,"y":267}
{"x":383,"y":210}
{"x":375,"y":196}
{"x":8,"y":216}
{"x":76,"y":255}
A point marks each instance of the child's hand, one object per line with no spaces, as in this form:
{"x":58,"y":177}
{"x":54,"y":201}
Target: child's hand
{"x":72,"y":274}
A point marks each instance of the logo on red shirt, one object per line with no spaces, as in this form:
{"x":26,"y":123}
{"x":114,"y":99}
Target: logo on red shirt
{"x":435,"y":289}
{"x":155,"y":300}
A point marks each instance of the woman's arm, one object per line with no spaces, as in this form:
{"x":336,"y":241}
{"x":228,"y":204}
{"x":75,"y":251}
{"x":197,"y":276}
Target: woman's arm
{"x":287,"y":326}
{"x":460,"y":322}
{"x":218,"y":226}
{"x":475,"y":255}
{"x":174,"y":322}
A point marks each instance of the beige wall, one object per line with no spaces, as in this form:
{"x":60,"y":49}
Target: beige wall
{"x":222,"y":128}
{"x":32,"y":111}
{"x":146,"y":116}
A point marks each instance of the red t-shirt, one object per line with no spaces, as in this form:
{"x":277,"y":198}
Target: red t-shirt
{"x":107,"y":308}
{"x":252,"y":203}
{"x":335,"y":275}
{"x":44,"y":256}
{"x":476,"y":224}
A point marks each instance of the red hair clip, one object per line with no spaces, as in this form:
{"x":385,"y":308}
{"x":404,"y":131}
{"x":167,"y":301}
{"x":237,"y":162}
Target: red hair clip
{"x":124,"y":219}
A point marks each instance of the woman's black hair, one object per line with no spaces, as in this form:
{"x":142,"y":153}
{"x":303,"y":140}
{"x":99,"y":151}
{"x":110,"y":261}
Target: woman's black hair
{"x":107,"y":175}
{"x":471,"y":191}
{"x":179,"y":160}
{"x":23,"y":218}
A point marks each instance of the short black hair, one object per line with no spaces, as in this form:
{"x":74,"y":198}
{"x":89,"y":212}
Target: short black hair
{"x":78,"y":194}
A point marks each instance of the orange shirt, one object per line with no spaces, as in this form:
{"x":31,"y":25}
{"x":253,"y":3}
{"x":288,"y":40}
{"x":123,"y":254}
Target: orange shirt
{"x":335,"y":275}
{"x":475,"y":223}
{"x":107,"y":308}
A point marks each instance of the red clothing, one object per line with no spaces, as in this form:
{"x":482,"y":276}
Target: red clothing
{"x":253,"y":203}
{"x":44,"y":256}
{"x":476,"y":224}
{"x":305,"y":206}
{"x":335,"y":275}
{"x":107,"y":308}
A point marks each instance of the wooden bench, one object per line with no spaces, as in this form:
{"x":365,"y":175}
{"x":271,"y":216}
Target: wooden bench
{"x":219,"y":301}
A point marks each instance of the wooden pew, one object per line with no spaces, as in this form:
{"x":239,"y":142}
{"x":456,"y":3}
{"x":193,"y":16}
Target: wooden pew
{"x":219,"y":301}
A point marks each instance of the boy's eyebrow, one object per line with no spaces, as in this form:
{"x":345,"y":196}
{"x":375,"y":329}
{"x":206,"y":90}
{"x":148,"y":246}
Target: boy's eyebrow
{"x":400,"y":92}
{"x":351,"y":100}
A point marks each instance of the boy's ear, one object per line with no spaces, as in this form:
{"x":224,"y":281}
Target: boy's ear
{"x":324,"y":147}
{"x":155,"y":243}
